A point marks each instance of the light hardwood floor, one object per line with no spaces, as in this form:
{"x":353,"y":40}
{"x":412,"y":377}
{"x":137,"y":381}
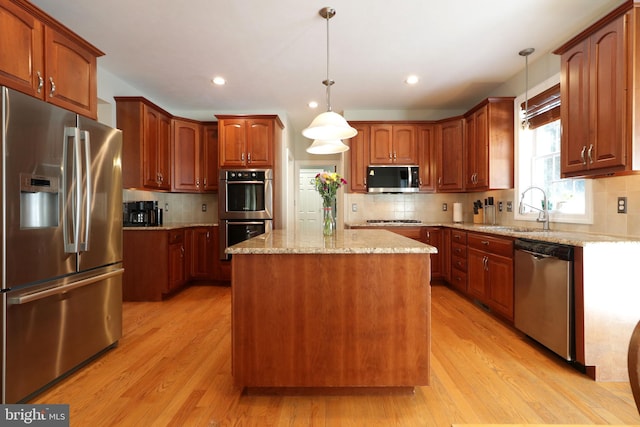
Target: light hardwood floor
{"x":172,"y":368}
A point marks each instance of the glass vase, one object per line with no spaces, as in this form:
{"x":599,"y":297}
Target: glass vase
{"x":328,"y":217}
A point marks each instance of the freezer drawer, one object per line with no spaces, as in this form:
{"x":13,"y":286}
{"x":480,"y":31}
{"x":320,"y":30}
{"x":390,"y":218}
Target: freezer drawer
{"x":52,"y":331}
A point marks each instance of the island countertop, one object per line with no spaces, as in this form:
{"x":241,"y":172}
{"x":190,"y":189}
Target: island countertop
{"x":343,"y":242}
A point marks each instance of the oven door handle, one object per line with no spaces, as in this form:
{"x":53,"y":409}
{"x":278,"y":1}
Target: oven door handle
{"x":244,"y":182}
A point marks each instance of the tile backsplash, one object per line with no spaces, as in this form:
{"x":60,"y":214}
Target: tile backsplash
{"x":182,"y":207}
{"x":428,"y":207}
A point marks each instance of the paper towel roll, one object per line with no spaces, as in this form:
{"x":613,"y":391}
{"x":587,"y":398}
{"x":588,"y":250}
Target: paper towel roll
{"x":457,"y":212}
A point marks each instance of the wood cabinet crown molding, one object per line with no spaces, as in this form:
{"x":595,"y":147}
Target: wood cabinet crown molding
{"x":48,"y":20}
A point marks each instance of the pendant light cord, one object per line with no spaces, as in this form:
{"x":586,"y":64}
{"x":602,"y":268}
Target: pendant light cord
{"x":328,"y":82}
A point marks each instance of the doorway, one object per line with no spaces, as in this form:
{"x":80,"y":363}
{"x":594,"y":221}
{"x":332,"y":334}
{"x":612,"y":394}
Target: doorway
{"x":308,"y":203}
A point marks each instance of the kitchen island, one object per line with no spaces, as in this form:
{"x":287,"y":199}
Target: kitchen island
{"x":352,"y":310}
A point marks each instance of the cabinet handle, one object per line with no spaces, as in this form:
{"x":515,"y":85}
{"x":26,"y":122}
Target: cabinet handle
{"x":205,"y":182}
{"x":428,"y":236}
{"x":249,"y":157}
{"x":242,"y":157}
{"x":198,"y":183}
{"x":395,"y":156}
{"x":439,"y":181}
{"x":181,"y":251}
{"x":390,"y":156}
{"x":582,"y":157}
{"x":589,"y":152}
{"x":208,"y":235}
{"x":53,"y":87}
{"x":484,"y":242}
{"x":40,"y":82}
{"x":485,"y":262}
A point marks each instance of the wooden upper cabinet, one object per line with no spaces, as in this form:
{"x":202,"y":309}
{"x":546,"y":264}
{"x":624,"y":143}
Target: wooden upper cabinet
{"x":156,"y":149}
{"x":427,"y":157}
{"x":42,"y":58}
{"x":598,"y":85}
{"x":210,"y":156}
{"x":187,"y":156}
{"x":146,"y":144}
{"x":248,"y":141}
{"x":393,"y":144}
{"x":450,"y":152}
{"x":359,"y":158}
{"x":489,"y":135}
{"x":195,"y":156}
{"x":21,"y":55}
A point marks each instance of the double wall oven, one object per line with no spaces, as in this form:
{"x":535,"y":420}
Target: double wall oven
{"x":245,"y":205}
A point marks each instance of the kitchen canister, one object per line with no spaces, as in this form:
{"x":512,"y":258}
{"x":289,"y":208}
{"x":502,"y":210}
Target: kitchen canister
{"x":457,"y":212}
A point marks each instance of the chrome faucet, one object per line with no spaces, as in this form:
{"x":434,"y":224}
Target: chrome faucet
{"x":543,"y":216}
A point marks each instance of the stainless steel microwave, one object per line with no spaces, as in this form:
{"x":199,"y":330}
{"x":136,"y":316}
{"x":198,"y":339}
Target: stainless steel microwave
{"x":393,"y":179}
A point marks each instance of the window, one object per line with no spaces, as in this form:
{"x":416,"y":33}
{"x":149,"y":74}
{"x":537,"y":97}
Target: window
{"x":538,"y":154}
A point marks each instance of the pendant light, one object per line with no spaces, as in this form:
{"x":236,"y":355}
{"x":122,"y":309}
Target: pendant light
{"x":328,"y":128}
{"x":525,"y":117}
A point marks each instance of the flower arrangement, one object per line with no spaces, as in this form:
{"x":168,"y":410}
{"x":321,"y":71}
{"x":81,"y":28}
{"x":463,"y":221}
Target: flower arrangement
{"x":327,"y":185}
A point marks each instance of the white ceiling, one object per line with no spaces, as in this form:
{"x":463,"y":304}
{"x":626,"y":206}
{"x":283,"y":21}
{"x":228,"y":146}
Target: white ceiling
{"x":273,"y":53}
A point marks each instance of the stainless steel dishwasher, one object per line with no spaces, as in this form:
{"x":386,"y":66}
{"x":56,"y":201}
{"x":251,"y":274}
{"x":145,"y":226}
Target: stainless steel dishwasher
{"x":543,"y":306}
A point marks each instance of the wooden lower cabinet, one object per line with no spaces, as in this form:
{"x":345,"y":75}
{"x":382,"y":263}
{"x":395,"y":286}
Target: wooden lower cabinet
{"x":154,"y":263}
{"x":429,"y":235}
{"x":433,"y":236}
{"x":490,"y":272}
{"x":458,"y":260}
{"x":202,"y":243}
{"x":176,"y":252}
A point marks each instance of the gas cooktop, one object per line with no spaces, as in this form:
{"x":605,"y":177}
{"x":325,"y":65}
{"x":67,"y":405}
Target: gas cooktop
{"x":401,"y":221}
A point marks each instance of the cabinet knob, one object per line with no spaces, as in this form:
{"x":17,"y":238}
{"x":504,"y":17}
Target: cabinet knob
{"x":53,"y":87}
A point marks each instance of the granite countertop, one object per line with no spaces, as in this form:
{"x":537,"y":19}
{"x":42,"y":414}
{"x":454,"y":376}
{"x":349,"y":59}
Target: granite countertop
{"x":171,"y":226}
{"x":344,"y":242}
{"x":572,"y":238}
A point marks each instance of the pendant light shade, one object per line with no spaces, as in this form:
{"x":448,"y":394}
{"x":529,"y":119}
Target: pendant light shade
{"x":329,"y":125}
{"x":328,"y":128}
{"x":320,"y":146}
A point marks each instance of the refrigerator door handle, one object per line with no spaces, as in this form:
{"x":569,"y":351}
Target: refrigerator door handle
{"x":30,"y":297}
{"x":88,"y":190}
{"x":72,"y":202}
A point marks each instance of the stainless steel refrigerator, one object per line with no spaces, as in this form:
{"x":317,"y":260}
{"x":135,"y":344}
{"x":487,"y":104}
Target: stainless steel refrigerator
{"x":61,"y":239}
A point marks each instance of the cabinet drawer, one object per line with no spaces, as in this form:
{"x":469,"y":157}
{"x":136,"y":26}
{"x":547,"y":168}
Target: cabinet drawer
{"x":459,"y":263}
{"x":458,"y":250}
{"x":176,"y":236}
{"x":458,"y":236}
{"x":459,"y":279}
{"x":494,"y":245}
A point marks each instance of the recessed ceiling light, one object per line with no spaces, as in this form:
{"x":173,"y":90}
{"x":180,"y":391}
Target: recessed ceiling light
{"x":411,"y":80}
{"x":219,"y":81}
{"x":313,"y":104}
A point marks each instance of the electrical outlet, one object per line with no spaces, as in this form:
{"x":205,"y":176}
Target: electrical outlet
{"x":622,"y":205}
{"x":509,"y":206}
{"x":204,"y":207}
{"x":444,"y":207}
{"x":166,"y":207}
{"x":499,"y":206}
{"x":354,"y":207}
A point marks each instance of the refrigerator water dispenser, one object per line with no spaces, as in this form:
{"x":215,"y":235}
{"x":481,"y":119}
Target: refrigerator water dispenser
{"x":38,"y":201}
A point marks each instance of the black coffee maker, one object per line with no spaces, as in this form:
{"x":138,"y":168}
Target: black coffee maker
{"x":141,"y":214}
